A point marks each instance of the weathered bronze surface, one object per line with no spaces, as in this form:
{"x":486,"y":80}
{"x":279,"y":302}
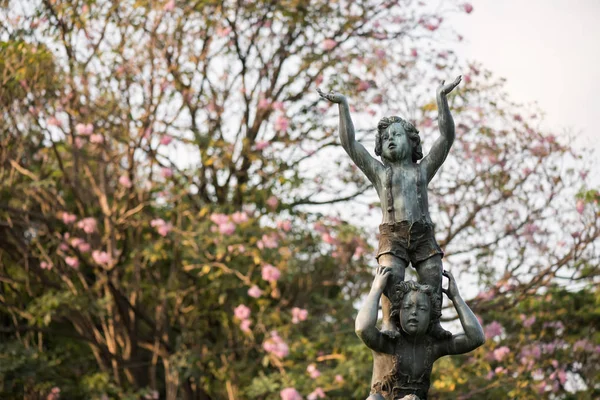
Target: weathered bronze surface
{"x":403,"y":356}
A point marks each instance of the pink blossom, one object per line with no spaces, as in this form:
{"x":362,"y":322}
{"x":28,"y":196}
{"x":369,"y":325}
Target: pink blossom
{"x":222,"y":32}
{"x":327,"y":238}
{"x":239,"y":217}
{"x":169,"y":6}
{"x":467,"y":7}
{"x":72,"y":262}
{"x":328,"y":44}
{"x":166,"y":172}
{"x":101,"y":257}
{"x":45,"y":265}
{"x":358,"y":252}
{"x":270,"y":273}
{"x":492,"y":330}
{"x":339,"y":379}
{"x":467,"y":78}
{"x":530,"y":229}
{"x":500,"y":370}
{"x":380,"y":53}
{"x":125,"y":181}
{"x":267,"y":241}
{"x":165,"y":140}
{"x":153,"y":395}
{"x":313,"y":372}
{"x":263,"y":103}
{"x":54,"y":394}
{"x":53,"y":121}
{"x":527,"y":322}
{"x":414,"y":52}
{"x":286,"y":225}
{"x":580,"y":206}
{"x":539,"y":150}
{"x":78,"y":142}
{"x":362,"y":86}
{"x":281,"y":123}
{"x":245,"y":326}
{"x":583,"y":344}
{"x":255,"y":292}
{"x":276,"y":346}
{"x":541,"y":387}
{"x":157,"y":222}
{"x":299,"y":314}
{"x":278,"y":105}
{"x":68,"y":218}
{"x":84,"y":130}
{"x":318,"y":393}
{"x":501,"y":352}
{"x":227,"y":228}
{"x":163,"y":228}
{"x":89,"y":225}
{"x":319,"y":227}
{"x":96,"y":138}
{"x":261,"y":145}
{"x":290,"y":394}
{"x":219,"y":219}
{"x":272,"y":202}
{"x":241,"y":312}
{"x":486,"y":295}
{"x":84,"y":247}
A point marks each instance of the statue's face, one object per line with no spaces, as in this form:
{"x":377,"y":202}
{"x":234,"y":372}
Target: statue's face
{"x":395,"y":145}
{"x":415,"y":313}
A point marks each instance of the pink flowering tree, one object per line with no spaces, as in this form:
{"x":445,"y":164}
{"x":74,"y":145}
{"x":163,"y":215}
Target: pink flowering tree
{"x":166,"y":219}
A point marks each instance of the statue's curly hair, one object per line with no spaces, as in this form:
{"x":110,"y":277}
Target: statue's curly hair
{"x":411,"y":131}
{"x":401,"y":289}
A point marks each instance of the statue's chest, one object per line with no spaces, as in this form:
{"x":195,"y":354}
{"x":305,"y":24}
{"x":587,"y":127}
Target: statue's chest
{"x":405,"y":181}
{"x":413,"y":363}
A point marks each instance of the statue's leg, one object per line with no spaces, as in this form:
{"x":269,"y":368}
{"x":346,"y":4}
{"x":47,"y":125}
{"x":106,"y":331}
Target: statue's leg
{"x":430,"y":273}
{"x":398,"y":269}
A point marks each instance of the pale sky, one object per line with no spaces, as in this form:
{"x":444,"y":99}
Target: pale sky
{"x":549,"y":52}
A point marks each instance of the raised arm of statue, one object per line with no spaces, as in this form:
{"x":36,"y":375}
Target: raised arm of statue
{"x":367,"y":316}
{"x":473,"y":336}
{"x":357,"y":152}
{"x":440,"y":149}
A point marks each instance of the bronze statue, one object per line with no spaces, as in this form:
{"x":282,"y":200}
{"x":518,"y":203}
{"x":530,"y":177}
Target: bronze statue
{"x":414,"y":350}
{"x":406,"y":231}
{"x":411,"y":338}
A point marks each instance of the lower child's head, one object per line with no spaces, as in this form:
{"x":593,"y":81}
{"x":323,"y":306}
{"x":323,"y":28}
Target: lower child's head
{"x":412,"y":307}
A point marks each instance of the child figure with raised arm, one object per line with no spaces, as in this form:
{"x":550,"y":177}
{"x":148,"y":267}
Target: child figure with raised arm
{"x":414,"y":350}
{"x":406,"y":232}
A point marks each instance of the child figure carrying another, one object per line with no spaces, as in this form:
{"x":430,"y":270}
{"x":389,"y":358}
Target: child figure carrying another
{"x":414,"y":350}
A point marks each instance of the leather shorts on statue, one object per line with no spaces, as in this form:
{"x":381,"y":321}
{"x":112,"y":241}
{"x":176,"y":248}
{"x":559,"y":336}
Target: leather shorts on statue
{"x":410,"y":242}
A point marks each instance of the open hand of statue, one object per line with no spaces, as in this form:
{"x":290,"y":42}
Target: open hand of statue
{"x":381,"y":277}
{"x":452,"y":290}
{"x":447,"y":88}
{"x":333,"y":97}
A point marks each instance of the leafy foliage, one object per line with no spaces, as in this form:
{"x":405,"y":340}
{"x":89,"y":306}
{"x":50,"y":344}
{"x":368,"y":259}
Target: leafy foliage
{"x":166,"y":182}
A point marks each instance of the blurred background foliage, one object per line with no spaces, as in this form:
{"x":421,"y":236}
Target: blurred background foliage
{"x":177,"y":219}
